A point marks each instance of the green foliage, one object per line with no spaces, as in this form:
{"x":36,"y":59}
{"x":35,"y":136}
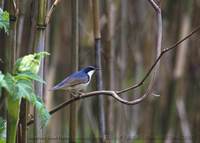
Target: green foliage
{"x":2,"y":130}
{"x":29,"y":76}
{"x":8,"y":82}
{"x":29,"y":63}
{"x":4,"y":20}
{"x":20,"y":84}
{"x":39,"y":105}
{"x":25,"y":90}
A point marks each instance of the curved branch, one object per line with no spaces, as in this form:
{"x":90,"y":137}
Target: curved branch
{"x":90,"y":94}
{"x":155,"y":67}
{"x":158,"y":59}
{"x":51,"y":11}
{"x":110,"y":93}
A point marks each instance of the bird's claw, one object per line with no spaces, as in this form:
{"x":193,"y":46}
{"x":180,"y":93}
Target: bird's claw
{"x":76,"y":94}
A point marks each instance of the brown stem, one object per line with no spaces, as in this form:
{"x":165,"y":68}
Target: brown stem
{"x":75,"y":64}
{"x":51,"y":11}
{"x":99,"y":78}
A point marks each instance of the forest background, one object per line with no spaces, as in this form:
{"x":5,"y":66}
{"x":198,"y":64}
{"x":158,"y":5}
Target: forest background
{"x":128,"y":29}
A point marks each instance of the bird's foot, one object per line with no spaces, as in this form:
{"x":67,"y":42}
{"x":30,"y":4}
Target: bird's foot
{"x":76,"y":93}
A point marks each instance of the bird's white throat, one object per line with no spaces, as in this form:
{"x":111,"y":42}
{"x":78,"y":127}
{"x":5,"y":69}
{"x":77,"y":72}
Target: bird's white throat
{"x":90,"y":73}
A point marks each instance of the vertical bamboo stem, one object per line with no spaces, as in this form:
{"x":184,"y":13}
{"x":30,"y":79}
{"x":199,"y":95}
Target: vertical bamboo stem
{"x":98,"y":49}
{"x":75,"y":66}
{"x":110,"y":65}
{"x":22,"y":127}
{"x":40,"y":46}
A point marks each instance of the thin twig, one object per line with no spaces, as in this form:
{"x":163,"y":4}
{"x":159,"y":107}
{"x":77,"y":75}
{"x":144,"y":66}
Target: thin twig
{"x":14,"y":7}
{"x":155,"y":67}
{"x":157,"y":60}
{"x":51,"y":11}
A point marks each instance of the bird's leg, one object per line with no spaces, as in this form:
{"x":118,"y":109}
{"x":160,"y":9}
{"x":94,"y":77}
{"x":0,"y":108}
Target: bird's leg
{"x":75,"y":93}
{"x":80,"y":92}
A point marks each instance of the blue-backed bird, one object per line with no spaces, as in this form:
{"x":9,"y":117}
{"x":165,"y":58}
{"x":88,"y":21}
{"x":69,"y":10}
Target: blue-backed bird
{"x":77,"y":81}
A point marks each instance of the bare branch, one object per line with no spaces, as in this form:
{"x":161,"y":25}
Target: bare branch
{"x":154,"y":5}
{"x":14,"y":6}
{"x":89,"y":94}
{"x":155,"y":67}
{"x":158,"y":59}
{"x":51,"y":11}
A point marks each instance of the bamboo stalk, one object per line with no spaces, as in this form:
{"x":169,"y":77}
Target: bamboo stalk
{"x":75,"y":65}
{"x":99,"y":81}
{"x":180,"y":87}
{"x":40,"y":45}
{"x":22,"y":126}
{"x":109,"y":4}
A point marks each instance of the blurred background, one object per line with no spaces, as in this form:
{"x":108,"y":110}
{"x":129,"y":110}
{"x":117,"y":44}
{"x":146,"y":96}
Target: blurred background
{"x":128,"y":31}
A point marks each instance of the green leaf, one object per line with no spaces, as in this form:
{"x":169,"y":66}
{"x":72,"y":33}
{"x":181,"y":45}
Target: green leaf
{"x":29,"y":76}
{"x":8,"y":83}
{"x":23,"y":88}
{"x":40,"y":107}
{"x":43,"y":112}
{"x":30,"y":63}
{"x":4,"y":20}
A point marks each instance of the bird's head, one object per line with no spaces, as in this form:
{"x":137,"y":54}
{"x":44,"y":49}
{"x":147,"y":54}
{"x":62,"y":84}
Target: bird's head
{"x":90,"y":70}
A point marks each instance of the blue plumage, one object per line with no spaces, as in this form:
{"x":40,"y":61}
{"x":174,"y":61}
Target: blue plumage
{"x":78,"y":80}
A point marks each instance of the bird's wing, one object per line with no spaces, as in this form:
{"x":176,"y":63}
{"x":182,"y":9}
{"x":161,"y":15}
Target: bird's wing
{"x":72,"y":80}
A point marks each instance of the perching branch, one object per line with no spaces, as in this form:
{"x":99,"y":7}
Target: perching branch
{"x":51,"y":11}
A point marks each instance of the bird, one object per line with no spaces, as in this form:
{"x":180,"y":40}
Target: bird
{"x":77,"y":81}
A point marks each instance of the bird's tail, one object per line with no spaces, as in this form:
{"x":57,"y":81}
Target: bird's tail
{"x":54,"y":88}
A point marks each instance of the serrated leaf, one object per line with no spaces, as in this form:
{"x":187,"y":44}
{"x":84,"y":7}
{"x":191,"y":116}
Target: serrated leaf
{"x":29,"y":76}
{"x":40,"y":107}
{"x":23,"y":88}
{"x":43,"y":113}
{"x":8,"y":83}
{"x":4,"y":20}
{"x":30,"y":63}
{"x":41,"y":55}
